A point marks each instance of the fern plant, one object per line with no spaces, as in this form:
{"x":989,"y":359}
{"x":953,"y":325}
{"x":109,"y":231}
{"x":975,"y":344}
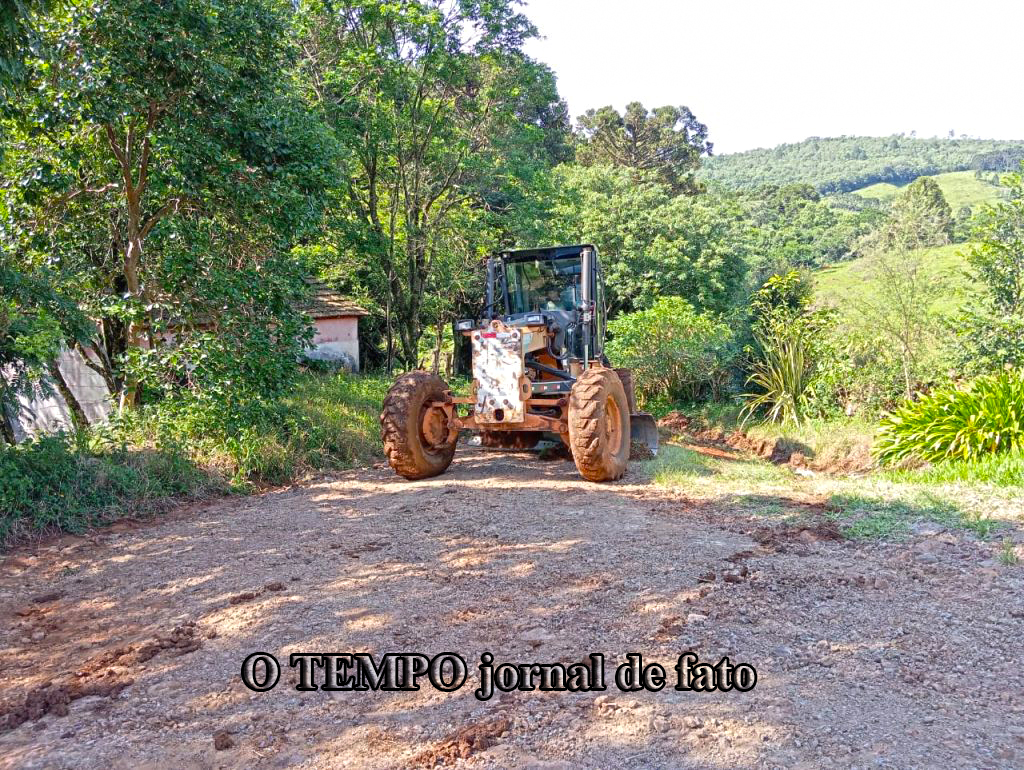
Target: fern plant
{"x":985,"y":416}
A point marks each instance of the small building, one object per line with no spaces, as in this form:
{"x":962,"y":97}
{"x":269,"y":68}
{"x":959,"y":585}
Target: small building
{"x":335,"y":339}
{"x":336,"y":326}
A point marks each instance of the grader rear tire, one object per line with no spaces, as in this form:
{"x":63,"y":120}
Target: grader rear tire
{"x":412,"y":453}
{"x":510,"y":439}
{"x":599,"y":425}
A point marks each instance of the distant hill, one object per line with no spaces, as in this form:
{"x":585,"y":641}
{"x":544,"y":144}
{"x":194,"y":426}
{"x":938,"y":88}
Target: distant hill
{"x":961,"y":188}
{"x":848,"y":163}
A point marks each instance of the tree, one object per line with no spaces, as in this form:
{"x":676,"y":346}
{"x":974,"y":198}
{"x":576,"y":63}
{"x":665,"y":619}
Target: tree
{"x":448,"y":124}
{"x":667,"y":140}
{"x":160,"y":161}
{"x":651,"y":242}
{"x":899,"y":310}
{"x":991,"y":332}
{"x":920,"y":217}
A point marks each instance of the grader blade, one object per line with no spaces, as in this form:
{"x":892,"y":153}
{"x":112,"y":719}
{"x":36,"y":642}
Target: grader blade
{"x":644,"y":431}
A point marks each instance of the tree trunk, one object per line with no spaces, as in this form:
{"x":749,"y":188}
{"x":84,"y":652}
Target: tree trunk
{"x":5,"y":426}
{"x":78,"y":418}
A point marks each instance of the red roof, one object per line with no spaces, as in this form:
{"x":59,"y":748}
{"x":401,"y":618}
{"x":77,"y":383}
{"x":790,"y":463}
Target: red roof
{"x":327,"y":303}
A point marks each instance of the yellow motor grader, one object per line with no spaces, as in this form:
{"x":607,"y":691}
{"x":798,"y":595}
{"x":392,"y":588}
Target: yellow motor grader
{"x":538,"y":369}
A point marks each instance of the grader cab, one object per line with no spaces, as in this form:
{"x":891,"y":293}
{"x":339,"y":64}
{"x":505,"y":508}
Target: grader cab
{"x":538,"y":368}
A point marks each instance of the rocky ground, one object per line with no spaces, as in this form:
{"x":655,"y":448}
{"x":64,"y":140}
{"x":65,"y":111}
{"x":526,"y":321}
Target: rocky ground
{"x":124,"y":649}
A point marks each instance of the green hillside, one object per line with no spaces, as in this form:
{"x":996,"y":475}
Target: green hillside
{"x":843,"y":164}
{"x":961,"y":188}
{"x":845,"y":284}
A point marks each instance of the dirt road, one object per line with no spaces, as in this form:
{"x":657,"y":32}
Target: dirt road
{"x":124,"y":649}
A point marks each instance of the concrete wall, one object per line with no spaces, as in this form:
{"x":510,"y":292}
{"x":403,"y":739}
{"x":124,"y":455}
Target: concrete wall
{"x":49,"y":414}
{"x":335,"y":338}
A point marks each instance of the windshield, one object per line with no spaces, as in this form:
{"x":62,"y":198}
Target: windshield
{"x":543,"y":284}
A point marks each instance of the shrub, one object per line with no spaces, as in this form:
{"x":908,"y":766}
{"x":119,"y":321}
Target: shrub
{"x":966,"y":423}
{"x":672,"y":350}
{"x":53,"y":483}
{"x":324,"y":422}
{"x":782,"y":373}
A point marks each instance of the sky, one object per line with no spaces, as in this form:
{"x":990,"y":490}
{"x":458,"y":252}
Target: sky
{"x":763,"y":72}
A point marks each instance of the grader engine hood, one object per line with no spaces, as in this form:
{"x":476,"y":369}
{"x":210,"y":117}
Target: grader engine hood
{"x":499,"y":376}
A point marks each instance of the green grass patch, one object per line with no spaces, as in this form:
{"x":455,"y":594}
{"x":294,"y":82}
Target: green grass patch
{"x":960,"y":188}
{"x":173,"y":451}
{"x":864,"y":515}
{"x":1005,"y":469}
{"x":846,"y":284}
{"x":59,"y":484}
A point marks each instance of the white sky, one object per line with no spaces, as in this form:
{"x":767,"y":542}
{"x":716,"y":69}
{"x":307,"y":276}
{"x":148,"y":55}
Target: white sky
{"x":763,"y":72}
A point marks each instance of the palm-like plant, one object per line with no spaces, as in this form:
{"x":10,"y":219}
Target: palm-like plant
{"x":781,"y":374}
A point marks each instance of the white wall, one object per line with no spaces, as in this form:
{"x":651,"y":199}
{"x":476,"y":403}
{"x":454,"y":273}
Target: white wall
{"x":43,"y":414}
{"x":335,"y":336}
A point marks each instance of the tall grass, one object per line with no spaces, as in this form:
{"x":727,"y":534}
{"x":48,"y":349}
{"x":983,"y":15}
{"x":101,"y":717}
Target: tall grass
{"x":179,"y":450}
{"x":59,"y":483}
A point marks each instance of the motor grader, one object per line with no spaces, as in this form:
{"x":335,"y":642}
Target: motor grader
{"x":538,"y":369}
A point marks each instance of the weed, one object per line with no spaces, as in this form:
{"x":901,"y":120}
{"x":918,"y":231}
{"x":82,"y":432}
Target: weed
{"x":1008,"y":553}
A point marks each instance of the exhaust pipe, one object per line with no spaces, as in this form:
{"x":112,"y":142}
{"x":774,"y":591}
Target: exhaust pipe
{"x":586,"y":296}
{"x":490,"y":288}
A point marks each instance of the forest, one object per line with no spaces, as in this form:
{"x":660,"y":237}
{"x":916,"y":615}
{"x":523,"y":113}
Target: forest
{"x":173,"y":173}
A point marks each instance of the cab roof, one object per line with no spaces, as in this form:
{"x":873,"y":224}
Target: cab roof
{"x":546,"y":252}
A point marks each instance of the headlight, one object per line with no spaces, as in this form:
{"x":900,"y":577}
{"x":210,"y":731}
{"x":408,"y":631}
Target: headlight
{"x":464,"y":325}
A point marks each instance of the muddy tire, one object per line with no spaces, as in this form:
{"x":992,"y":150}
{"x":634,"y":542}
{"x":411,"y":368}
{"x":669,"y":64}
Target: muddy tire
{"x":410,"y":452}
{"x":599,"y":425}
{"x":510,"y":439}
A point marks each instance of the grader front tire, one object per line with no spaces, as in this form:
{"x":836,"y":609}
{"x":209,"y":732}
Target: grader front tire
{"x":599,"y":425}
{"x":415,"y":446}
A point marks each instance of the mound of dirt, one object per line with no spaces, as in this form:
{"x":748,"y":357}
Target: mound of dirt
{"x":105,"y":675}
{"x":855,"y":458}
{"x":463,"y":744}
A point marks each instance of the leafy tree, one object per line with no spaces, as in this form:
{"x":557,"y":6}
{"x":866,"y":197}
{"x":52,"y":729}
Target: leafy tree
{"x":900,"y":312}
{"x":667,"y":140}
{"x":795,"y":227}
{"x":159,"y":160}
{"x":991,"y":333}
{"x":673,"y":351}
{"x":651,"y":242}
{"x":920,"y":217}
{"x":448,"y":124}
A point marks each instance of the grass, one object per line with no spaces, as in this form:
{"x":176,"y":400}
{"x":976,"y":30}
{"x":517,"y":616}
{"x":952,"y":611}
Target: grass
{"x":59,"y":483}
{"x":960,"y":188}
{"x":845,"y":284}
{"x":877,"y":505}
{"x":843,"y":441}
{"x":71,"y":483}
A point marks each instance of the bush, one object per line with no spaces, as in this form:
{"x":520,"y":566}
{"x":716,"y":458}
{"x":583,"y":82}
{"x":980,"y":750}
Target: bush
{"x":672,"y":350}
{"x":965,"y":423}
{"x":56,"y":483}
{"x":781,"y":373}
{"x":324,"y":422}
